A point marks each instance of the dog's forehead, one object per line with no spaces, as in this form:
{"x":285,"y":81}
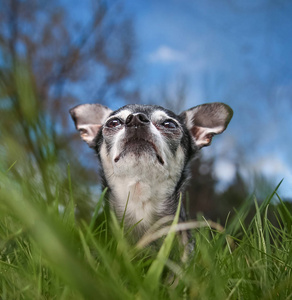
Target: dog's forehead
{"x":152,"y":111}
{"x":159,"y":115}
{"x":123,"y":114}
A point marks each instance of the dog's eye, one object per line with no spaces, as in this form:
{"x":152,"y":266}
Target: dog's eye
{"x":113,"y":123}
{"x":169,"y":124}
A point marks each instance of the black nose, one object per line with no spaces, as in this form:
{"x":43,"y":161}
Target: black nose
{"x":137,"y":119}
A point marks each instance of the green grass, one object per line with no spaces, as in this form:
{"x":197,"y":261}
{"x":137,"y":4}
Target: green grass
{"x":48,"y":253}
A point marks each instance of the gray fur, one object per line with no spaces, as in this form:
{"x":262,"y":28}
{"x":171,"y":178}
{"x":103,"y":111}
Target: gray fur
{"x":145,"y":152}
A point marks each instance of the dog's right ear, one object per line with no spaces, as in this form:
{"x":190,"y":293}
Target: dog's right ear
{"x":88,"y":119}
{"x":206,"y":120}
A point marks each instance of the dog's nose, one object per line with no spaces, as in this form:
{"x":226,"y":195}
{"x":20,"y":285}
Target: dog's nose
{"x":137,"y":119}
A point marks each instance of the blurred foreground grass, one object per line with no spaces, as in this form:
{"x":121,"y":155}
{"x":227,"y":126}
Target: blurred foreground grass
{"x":45,"y":253}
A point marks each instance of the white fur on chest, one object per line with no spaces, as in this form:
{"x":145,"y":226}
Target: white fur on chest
{"x":145,"y":199}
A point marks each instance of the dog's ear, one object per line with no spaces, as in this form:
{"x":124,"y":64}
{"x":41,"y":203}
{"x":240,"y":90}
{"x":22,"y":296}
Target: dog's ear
{"x":88,"y":119}
{"x":206,"y":120}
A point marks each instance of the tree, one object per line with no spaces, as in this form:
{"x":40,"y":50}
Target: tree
{"x":64,"y":53}
{"x":50,"y":60}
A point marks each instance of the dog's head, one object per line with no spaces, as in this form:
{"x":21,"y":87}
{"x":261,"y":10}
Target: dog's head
{"x":137,"y":138}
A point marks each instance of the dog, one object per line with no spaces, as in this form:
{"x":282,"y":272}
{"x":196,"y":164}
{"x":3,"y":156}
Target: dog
{"x":145,"y":152}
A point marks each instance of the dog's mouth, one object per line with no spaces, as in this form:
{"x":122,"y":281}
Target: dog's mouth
{"x":139,"y":147}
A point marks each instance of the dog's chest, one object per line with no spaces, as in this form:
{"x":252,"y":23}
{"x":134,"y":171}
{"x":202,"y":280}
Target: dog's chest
{"x":141,"y":202}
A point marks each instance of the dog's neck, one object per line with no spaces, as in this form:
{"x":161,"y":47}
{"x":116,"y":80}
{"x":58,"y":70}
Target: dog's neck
{"x":142,"y":191}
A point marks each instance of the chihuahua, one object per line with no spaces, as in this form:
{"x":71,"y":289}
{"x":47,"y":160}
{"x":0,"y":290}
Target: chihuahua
{"x":145,"y":152}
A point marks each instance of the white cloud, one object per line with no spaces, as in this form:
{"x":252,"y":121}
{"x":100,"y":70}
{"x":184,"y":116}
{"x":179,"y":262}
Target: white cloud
{"x":272,"y":165}
{"x":225,"y":170}
{"x":165,"y":54}
{"x":274,"y":168}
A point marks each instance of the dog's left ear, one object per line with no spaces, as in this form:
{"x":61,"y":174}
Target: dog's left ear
{"x":88,"y":119}
{"x":206,"y":120}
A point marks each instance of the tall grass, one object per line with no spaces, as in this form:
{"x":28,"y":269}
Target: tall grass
{"x":46,"y":253}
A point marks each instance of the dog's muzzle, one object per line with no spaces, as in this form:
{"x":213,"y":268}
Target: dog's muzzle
{"x":138,"y":137}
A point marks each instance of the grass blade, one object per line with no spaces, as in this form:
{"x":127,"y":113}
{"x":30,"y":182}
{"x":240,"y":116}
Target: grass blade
{"x":154,"y":273}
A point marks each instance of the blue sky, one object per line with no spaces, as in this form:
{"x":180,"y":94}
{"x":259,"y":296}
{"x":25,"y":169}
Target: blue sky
{"x":237,"y":52}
